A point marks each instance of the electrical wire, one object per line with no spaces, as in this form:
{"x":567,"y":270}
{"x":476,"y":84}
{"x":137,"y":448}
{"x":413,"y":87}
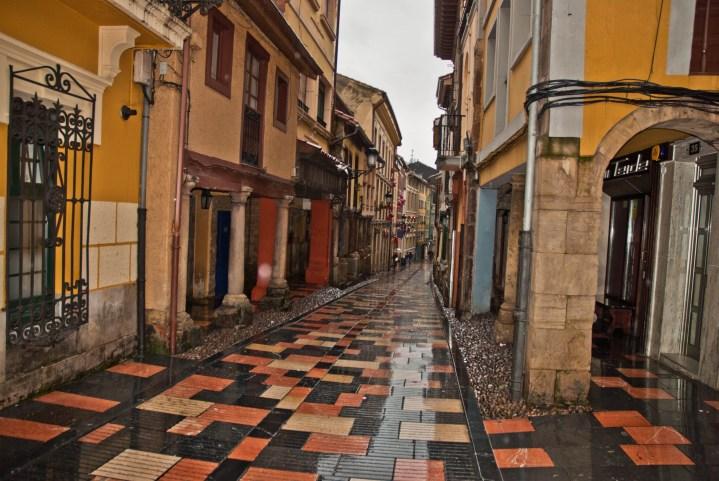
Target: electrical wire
{"x":640,"y":93}
{"x":656,"y":39}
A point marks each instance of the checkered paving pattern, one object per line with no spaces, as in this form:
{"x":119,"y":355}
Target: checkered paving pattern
{"x":363,"y":388}
{"x":648,"y":424}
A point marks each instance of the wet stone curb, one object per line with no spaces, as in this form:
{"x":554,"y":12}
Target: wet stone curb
{"x":488,"y":470}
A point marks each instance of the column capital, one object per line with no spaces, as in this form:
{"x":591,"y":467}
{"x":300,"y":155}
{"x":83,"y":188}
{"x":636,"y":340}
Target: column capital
{"x":242,"y":196}
{"x":517,"y":180}
{"x":284,"y":202}
{"x":189,"y":183}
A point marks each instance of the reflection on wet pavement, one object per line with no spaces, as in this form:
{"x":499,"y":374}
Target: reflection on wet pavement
{"x":363,"y":388}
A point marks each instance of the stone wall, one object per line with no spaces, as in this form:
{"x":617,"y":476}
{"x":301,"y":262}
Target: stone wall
{"x":109,"y":335}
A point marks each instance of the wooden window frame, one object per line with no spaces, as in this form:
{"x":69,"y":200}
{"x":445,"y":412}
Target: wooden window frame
{"x":277,"y":122}
{"x":702,"y":45}
{"x":253,"y":47}
{"x":217,"y":22}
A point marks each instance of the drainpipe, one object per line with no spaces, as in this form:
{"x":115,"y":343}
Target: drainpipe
{"x":525,"y":236}
{"x":142,"y":221}
{"x":174,"y":274}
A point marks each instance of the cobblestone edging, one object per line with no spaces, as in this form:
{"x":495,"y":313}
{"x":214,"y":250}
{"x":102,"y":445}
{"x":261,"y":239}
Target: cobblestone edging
{"x":220,"y":339}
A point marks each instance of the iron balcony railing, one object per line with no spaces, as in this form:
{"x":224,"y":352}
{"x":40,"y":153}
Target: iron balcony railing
{"x":447,"y":138}
{"x":251,"y":137}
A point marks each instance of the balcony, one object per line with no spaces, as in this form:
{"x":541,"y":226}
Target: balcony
{"x":448,"y":142}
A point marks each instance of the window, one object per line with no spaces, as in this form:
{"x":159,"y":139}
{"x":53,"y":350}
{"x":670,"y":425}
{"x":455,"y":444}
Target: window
{"x":218,"y":65}
{"x":321,"y":93}
{"x":254,"y":93}
{"x":705,"y":43}
{"x":502,"y":66}
{"x":489,"y":79}
{"x":282,"y":90}
{"x":329,"y":12}
{"x":521,"y":26}
{"x":302,"y":93}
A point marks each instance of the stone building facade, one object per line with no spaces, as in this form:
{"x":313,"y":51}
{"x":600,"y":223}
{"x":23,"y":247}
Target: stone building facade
{"x":654,"y":288}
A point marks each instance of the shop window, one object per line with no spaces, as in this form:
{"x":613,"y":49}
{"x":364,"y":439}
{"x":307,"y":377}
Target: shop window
{"x":282,"y":89}
{"x":218,"y":66}
{"x":705,"y":42}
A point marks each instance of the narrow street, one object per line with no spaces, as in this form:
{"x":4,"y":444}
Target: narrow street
{"x":363,"y":388}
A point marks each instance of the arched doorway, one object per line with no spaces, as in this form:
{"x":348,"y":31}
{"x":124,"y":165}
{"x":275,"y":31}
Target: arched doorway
{"x":569,"y":196}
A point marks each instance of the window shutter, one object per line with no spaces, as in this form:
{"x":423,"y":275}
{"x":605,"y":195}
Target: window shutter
{"x":705,"y":41}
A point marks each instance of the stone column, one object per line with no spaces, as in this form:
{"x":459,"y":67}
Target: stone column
{"x":278,"y":291}
{"x":184,"y":320}
{"x":236,"y":308}
{"x":504,"y":328}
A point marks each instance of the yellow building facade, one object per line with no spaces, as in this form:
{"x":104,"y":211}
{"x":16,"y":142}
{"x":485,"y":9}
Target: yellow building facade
{"x":70,"y":129}
{"x":592,"y":124}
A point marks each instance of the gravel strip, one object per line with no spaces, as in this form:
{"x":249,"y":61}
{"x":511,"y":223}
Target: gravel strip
{"x":217,"y":340}
{"x":489,"y":365}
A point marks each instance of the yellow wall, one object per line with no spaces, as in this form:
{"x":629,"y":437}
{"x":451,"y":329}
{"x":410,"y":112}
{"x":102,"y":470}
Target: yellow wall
{"x":611,"y":29}
{"x":519,"y":79}
{"x":513,"y":156}
{"x":216,"y":121}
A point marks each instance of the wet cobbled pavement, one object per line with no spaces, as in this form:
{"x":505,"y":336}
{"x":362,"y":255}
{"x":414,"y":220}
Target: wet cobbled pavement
{"x":361,"y":389}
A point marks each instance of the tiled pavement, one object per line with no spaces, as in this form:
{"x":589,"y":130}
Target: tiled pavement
{"x":647,"y":424}
{"x":362,"y":389}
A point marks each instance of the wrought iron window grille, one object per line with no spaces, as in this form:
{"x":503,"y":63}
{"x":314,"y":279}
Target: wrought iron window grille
{"x":50,"y":156}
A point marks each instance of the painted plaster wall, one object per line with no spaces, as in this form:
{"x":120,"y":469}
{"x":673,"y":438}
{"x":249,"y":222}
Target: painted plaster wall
{"x":216,"y":121}
{"x":611,"y":27}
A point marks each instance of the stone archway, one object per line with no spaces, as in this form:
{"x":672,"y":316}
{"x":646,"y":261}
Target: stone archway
{"x":567,"y":216}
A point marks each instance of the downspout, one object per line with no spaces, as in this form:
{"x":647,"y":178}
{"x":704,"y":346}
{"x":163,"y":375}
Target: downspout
{"x":175,"y":268}
{"x":142,"y":220}
{"x":525,"y":236}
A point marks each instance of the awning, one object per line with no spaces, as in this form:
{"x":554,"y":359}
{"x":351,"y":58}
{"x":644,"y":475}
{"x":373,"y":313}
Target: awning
{"x":312,"y":151}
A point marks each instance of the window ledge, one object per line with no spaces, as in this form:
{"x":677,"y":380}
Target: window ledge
{"x":328,"y":28}
{"x":520,"y":53}
{"x":488,"y":102}
{"x":315,"y":4}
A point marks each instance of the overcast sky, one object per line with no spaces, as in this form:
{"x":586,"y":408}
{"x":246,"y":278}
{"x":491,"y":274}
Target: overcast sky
{"x":389,"y":44}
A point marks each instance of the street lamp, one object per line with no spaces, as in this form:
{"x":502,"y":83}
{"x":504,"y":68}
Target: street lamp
{"x":372,"y":155}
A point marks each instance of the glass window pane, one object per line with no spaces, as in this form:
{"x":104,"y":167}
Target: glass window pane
{"x":215,"y":55}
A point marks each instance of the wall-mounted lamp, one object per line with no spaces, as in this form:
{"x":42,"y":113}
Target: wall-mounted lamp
{"x":127,"y":112}
{"x":206,"y":199}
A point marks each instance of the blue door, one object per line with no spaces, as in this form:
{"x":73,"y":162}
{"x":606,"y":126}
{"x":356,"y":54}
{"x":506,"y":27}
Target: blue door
{"x":222,"y":255}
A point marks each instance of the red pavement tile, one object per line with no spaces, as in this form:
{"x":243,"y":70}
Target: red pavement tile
{"x":714,"y":404}
{"x":317,"y":373}
{"x":418,"y":470}
{"x":334,"y":444}
{"x":656,"y":435}
{"x":620,"y":419}
{"x":207,"y":383}
{"x":291,"y":345}
{"x":377,"y":373}
{"x":182,"y":391}
{"x":648,"y":455}
{"x":29,"y":430}
{"x":609,"y":382}
{"x":440,"y":368}
{"x":235,"y":414}
{"x":137,"y":369}
{"x":636,"y":373}
{"x":249,"y":360}
{"x":522,"y":458}
{"x":374,"y":390}
{"x":272,"y":371}
{"x":77,"y":401}
{"x":263,"y":474}
{"x":102,"y":433}
{"x":508,"y":426}
{"x":248,"y":449}
{"x":317,"y":408}
{"x":281,"y":381}
{"x":647,"y":393}
{"x":351,"y":400}
{"x":352,"y":352}
{"x":189,"y":470}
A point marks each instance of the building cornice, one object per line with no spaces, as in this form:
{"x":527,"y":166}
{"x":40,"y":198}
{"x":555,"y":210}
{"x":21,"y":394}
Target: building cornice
{"x":156,"y":18}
